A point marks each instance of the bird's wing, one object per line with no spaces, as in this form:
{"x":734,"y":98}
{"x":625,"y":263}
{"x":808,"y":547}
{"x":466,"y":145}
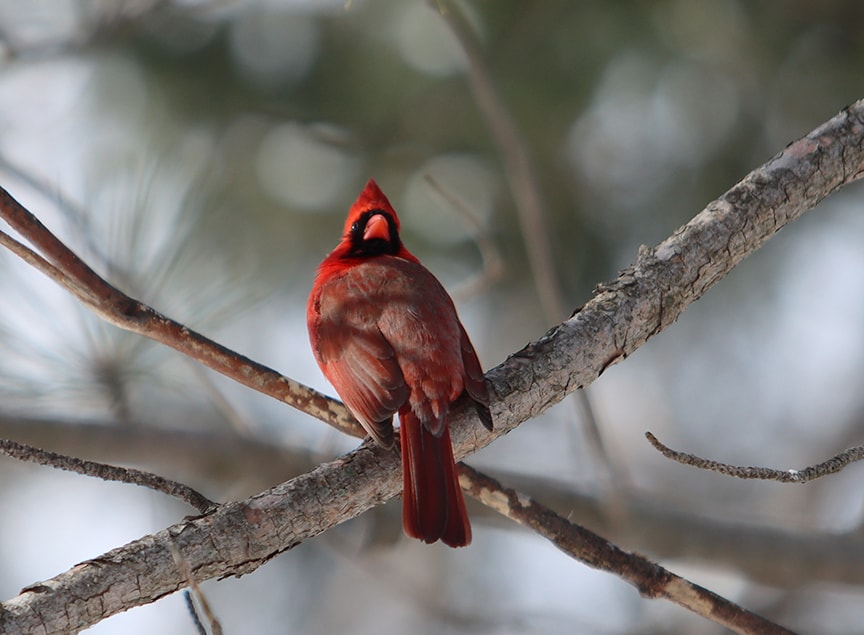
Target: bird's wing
{"x":361,"y":365}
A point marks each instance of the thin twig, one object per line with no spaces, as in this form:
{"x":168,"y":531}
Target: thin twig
{"x":106,"y":472}
{"x":652,"y":580}
{"x":810,"y":473}
{"x":41,"y":264}
{"x":70,"y":210}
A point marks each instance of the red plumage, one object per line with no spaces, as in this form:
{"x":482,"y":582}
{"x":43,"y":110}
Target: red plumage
{"x":387,"y":336}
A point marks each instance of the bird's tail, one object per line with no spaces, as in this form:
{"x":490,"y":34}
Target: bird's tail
{"x":432,"y":504}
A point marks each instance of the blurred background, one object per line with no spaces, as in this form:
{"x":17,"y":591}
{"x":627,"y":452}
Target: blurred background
{"x":202,"y":156}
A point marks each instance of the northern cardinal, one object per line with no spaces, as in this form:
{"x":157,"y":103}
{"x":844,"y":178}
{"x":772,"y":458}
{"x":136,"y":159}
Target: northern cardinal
{"x":386,"y":335}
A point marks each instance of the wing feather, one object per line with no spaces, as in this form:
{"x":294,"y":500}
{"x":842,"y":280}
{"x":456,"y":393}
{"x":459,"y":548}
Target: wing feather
{"x":362,"y":366}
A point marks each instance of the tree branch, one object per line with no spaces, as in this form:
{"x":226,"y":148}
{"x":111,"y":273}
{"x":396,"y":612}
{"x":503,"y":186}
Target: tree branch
{"x":646,"y":298}
{"x":804,"y":475}
{"x":652,"y":580}
{"x":220,"y":458}
{"x":107,"y":473}
{"x":776,"y":556}
{"x":63,"y":266}
{"x":649,"y":295}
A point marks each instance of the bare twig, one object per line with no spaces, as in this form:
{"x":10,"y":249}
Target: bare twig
{"x":805,"y":475}
{"x":107,"y":473}
{"x":652,"y":580}
{"x":778,"y":556}
{"x":41,"y":264}
{"x":70,"y":210}
{"x":225,"y":460}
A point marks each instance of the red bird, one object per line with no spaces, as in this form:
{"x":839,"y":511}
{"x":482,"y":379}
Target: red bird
{"x":386,"y":335}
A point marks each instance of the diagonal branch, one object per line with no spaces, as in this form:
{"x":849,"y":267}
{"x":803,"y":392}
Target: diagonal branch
{"x":235,"y":539}
{"x":63,"y":266}
{"x":649,"y":295}
{"x":652,"y":580}
{"x":776,"y":556}
{"x":646,"y":298}
{"x":779,"y":557}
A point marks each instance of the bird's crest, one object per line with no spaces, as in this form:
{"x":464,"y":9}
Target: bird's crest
{"x":370,"y":198}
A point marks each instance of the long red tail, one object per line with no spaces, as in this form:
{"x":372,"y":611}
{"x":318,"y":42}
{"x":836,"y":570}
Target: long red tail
{"x":432,"y":504}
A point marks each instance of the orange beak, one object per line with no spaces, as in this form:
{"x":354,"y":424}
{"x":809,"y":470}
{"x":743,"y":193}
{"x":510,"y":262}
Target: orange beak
{"x":377,"y":227}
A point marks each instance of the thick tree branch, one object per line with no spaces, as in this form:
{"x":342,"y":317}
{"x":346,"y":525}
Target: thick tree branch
{"x":647,"y":297}
{"x":235,"y":539}
{"x":779,"y":556}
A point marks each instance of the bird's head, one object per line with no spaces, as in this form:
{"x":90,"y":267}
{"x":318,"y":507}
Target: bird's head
{"x":372,"y":227}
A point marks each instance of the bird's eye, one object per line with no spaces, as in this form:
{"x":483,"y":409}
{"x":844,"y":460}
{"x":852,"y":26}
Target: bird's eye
{"x":355,"y":226}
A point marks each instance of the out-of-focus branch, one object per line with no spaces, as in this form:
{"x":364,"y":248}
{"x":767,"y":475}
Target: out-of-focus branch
{"x":517,"y":164}
{"x":493,"y":265}
{"x":529,"y":206}
{"x":227,"y":462}
{"x":804,"y":475}
{"x":652,"y":580}
{"x":645,"y":298}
